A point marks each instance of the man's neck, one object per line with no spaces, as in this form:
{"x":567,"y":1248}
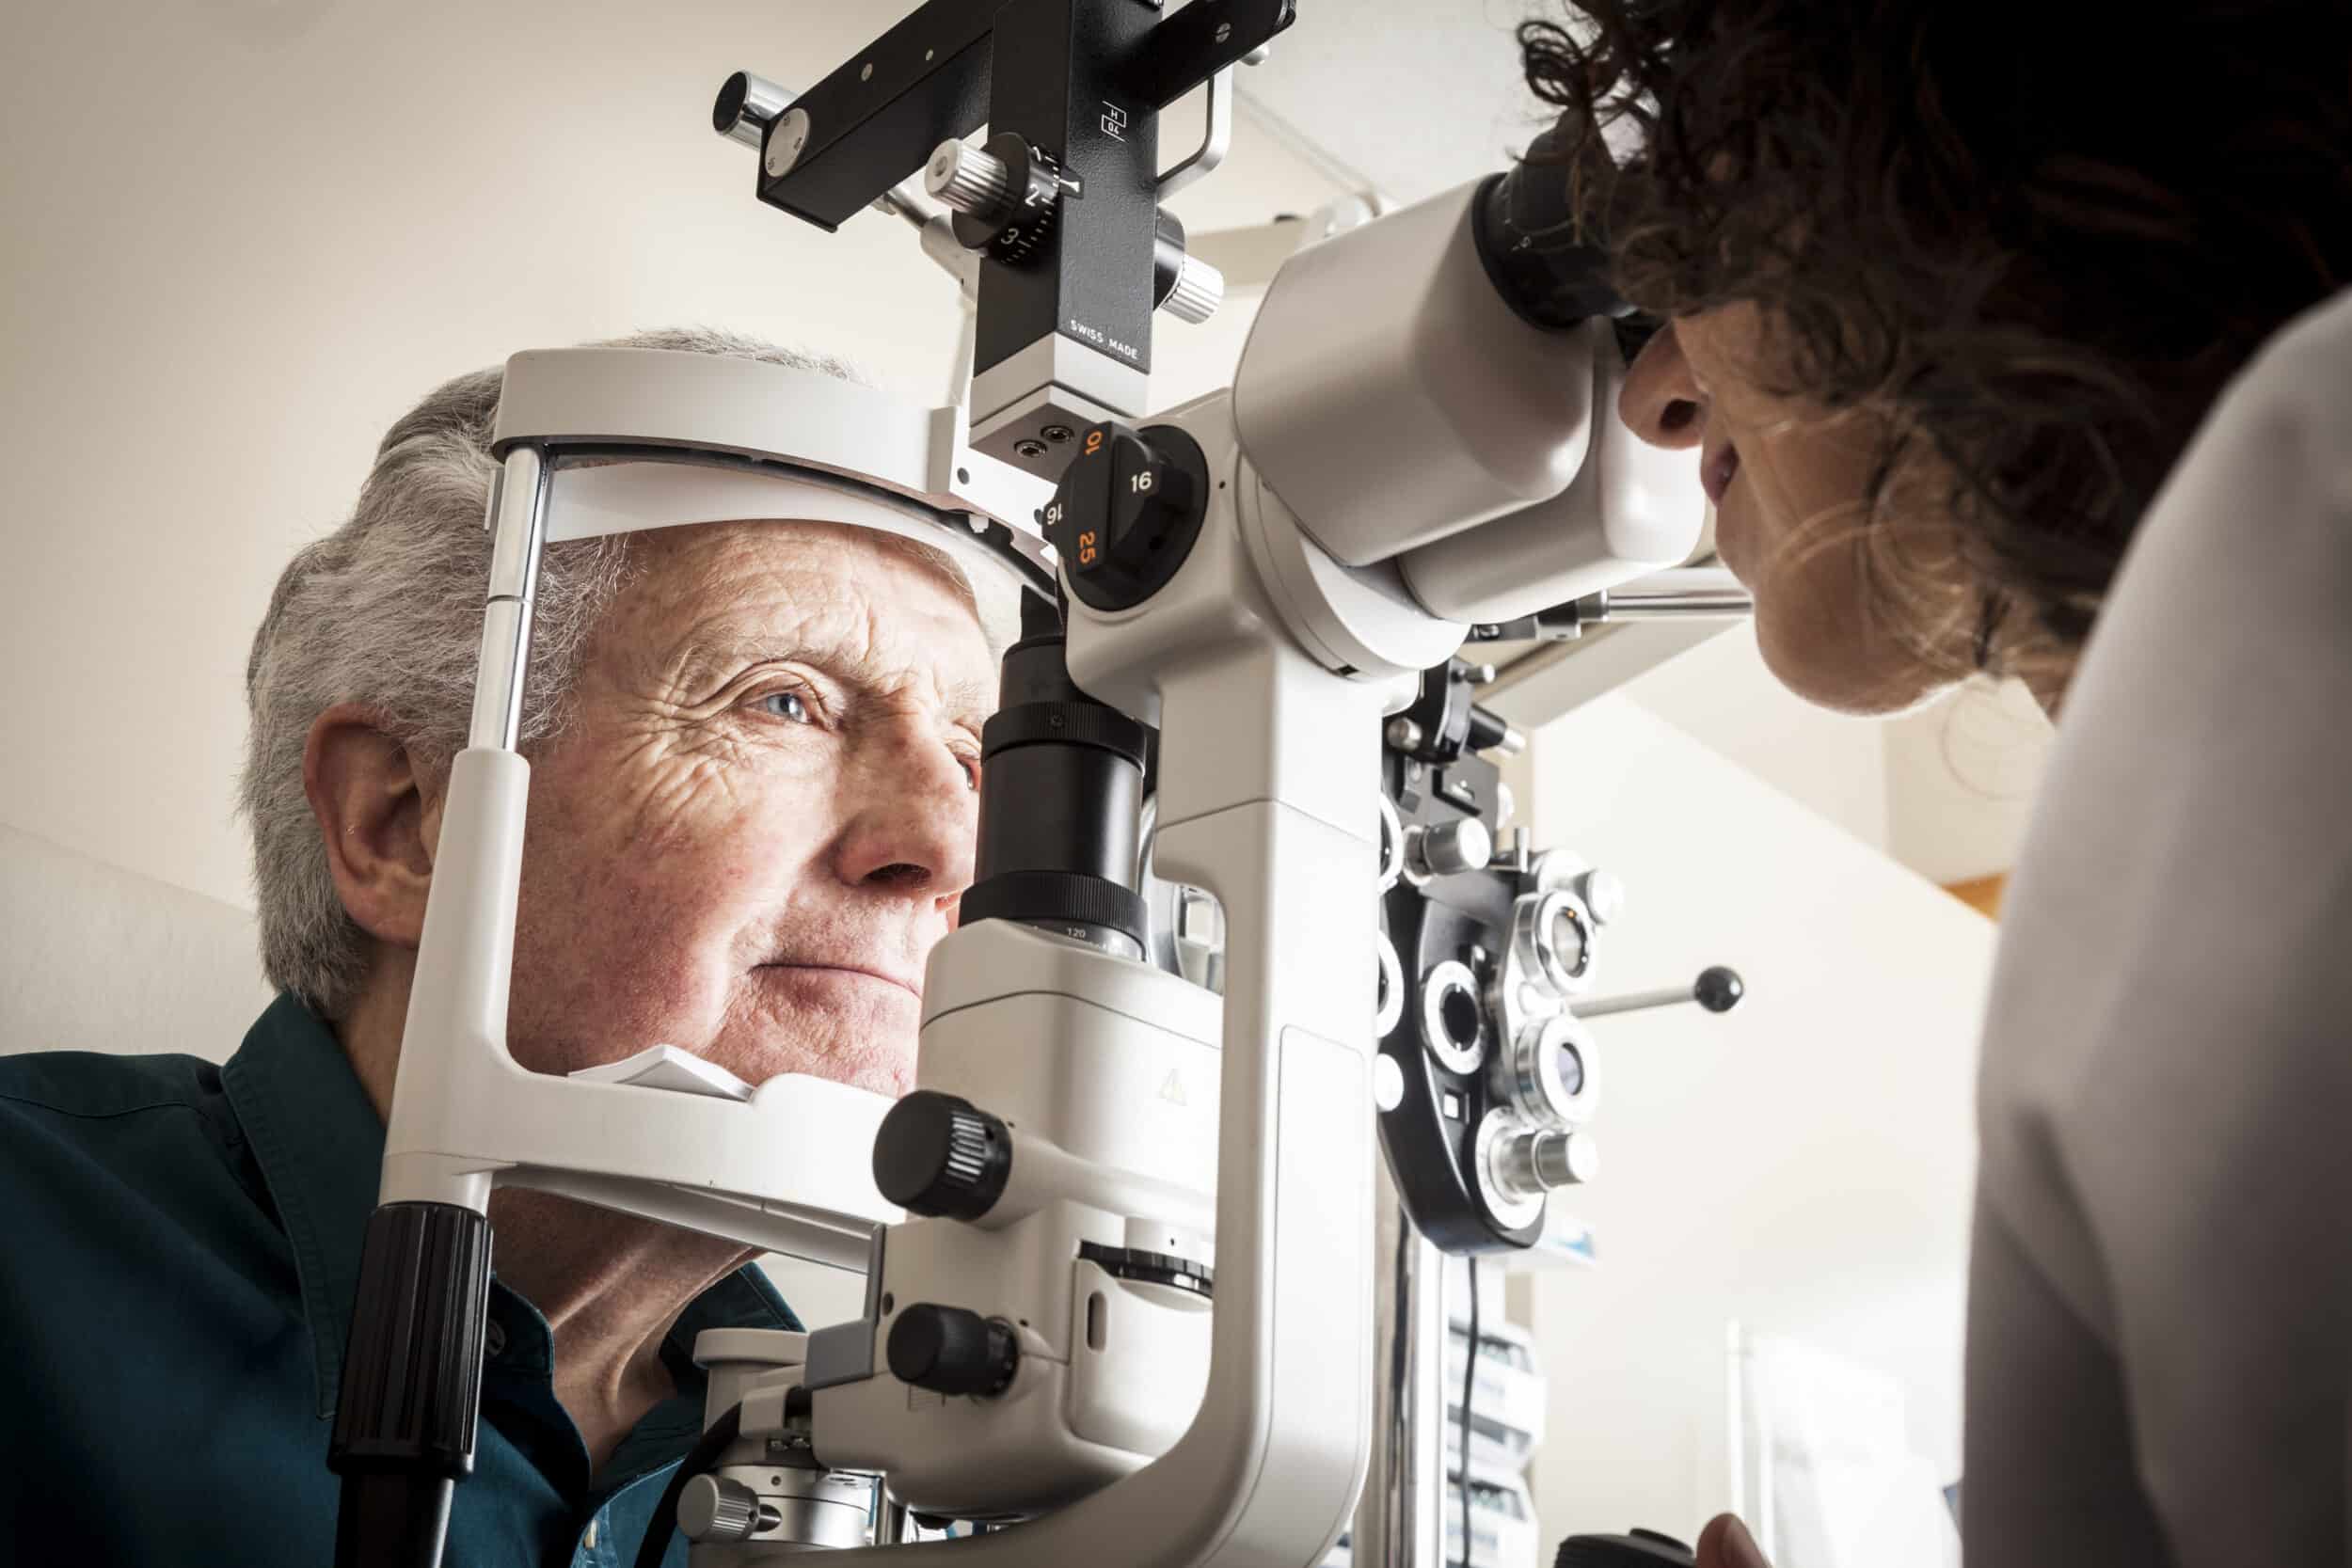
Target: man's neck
{"x":610,"y":1286}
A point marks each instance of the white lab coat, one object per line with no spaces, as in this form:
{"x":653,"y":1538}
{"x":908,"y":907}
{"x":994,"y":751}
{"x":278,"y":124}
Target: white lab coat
{"x":2160,"y":1334}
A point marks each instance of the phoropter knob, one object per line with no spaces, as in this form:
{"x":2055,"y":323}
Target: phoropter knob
{"x":1537,"y":1160}
{"x":937,"y":1155}
{"x":1449,"y":849}
{"x":949,"y":1350}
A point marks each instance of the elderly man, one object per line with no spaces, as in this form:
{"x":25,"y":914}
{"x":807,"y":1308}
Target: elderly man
{"x":754,"y":748}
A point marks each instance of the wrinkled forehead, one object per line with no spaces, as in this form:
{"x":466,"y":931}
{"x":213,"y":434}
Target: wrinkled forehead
{"x":702,"y":609}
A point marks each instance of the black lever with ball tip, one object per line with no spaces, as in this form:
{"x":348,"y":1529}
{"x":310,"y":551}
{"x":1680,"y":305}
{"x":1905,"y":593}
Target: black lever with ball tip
{"x":1717,"y":989}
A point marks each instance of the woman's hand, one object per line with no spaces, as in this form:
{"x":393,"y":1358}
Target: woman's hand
{"x":1727,"y":1544}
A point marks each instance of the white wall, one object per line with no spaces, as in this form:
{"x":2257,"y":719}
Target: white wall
{"x":241,"y":236}
{"x":1720,"y":693}
{"x":1961,"y":777}
{"x":1803,"y":1163}
{"x":1945,"y":791}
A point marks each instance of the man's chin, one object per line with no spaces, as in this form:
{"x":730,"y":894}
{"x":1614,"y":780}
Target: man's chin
{"x":850,"y":1027}
{"x":858,"y":1060}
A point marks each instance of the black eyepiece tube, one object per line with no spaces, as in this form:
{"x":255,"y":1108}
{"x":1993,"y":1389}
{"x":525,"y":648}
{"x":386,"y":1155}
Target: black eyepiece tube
{"x":1550,"y":267}
{"x":1062,"y":800}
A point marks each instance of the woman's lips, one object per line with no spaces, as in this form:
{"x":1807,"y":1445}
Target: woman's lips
{"x":1716,"y":471}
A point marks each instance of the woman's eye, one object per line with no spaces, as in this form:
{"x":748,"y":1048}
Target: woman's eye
{"x":786,"y":704}
{"x":971,"y":769}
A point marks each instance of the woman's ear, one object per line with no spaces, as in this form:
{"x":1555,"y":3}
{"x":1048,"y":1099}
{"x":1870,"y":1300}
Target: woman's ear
{"x":377,"y":818}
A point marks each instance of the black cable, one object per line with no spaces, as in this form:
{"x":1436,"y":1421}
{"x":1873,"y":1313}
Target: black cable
{"x":1470,"y":1386}
{"x":702,"y":1456}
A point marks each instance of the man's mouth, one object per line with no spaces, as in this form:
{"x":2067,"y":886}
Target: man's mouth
{"x":1716,"y":471}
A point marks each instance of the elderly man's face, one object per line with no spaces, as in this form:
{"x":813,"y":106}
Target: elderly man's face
{"x":761,"y":814}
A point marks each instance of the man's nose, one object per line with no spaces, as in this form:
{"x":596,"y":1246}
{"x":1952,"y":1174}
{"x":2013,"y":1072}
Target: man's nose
{"x":912,"y":820}
{"x":1661,"y":400}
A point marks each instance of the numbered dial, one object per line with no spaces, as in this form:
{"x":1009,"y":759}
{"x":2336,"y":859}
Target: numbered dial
{"x":1127,"y":512}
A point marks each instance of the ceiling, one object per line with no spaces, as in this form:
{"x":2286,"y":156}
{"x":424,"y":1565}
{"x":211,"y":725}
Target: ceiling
{"x":1406,"y":97}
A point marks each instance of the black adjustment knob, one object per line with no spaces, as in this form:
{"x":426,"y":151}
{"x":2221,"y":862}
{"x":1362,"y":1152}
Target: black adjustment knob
{"x":938,"y":1155}
{"x":1642,"y":1548}
{"x":1127,"y":512}
{"x":951,"y":1351}
{"x":1718,"y":990}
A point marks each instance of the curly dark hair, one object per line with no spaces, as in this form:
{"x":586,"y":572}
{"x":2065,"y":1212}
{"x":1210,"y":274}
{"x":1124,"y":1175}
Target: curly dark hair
{"x":2043,"y":236}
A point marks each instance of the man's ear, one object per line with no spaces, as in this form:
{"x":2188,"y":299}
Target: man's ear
{"x":379,"y":817}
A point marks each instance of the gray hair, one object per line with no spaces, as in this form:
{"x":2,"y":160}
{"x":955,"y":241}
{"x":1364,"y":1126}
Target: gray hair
{"x":386,"y":612}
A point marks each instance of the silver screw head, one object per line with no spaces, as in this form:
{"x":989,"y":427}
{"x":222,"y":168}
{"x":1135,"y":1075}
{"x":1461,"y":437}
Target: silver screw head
{"x":786,"y":143}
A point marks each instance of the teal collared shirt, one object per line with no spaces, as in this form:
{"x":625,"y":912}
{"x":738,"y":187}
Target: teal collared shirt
{"x":179,"y":1248}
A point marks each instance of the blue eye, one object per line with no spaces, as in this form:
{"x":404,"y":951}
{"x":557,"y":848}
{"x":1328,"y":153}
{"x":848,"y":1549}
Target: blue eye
{"x":786,"y":704}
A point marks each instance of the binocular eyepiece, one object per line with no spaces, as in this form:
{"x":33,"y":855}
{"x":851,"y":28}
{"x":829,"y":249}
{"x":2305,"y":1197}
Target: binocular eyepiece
{"x":1549,"y":260}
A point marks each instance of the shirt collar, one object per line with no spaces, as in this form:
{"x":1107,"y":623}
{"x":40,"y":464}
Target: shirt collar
{"x":320,"y":1146}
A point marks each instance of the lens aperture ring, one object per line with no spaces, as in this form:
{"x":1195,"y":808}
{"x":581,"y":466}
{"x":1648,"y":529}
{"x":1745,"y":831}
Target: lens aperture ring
{"x":1063,"y":725}
{"x":1051,"y":899}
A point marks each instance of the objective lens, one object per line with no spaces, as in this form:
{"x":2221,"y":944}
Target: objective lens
{"x":1061,"y":802}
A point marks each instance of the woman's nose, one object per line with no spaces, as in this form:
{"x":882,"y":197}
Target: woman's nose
{"x":1661,"y":400}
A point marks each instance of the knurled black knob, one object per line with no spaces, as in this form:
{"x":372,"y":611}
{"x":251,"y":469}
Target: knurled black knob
{"x":1642,"y":1548}
{"x":949,"y":1350}
{"x":1128,"y":510}
{"x":936,"y":1154}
